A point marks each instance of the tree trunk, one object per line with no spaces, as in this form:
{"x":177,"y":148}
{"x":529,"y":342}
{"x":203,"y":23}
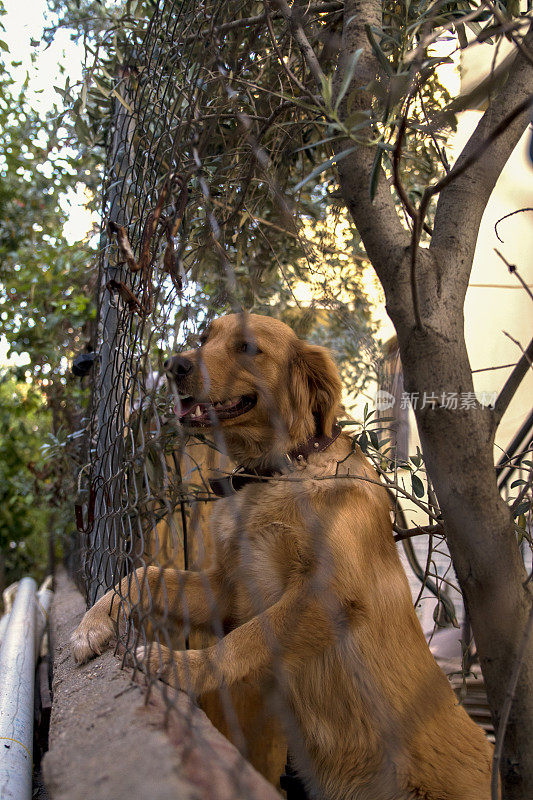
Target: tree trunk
{"x":458,"y":449}
{"x":457,"y":444}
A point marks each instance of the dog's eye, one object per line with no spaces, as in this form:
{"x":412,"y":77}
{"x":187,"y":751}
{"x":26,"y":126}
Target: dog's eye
{"x":249,"y":348}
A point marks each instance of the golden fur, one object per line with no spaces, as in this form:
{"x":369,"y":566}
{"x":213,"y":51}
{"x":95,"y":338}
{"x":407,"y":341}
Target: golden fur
{"x":307,"y":580}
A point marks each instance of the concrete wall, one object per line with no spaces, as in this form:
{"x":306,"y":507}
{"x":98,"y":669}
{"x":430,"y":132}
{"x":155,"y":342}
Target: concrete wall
{"x":108,"y":741}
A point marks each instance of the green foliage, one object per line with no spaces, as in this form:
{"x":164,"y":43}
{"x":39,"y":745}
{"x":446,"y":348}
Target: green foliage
{"x":45,"y":286}
{"x":229,"y":112}
{"x":46,"y":315}
{"x":277,"y":237}
{"x":24,"y":486}
{"x":257,"y":148}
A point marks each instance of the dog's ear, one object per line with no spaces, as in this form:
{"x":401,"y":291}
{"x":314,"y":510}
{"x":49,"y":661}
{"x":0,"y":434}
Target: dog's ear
{"x":315,"y":387}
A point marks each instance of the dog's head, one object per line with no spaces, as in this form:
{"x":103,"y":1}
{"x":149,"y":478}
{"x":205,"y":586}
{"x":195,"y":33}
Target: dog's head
{"x":252,"y":376}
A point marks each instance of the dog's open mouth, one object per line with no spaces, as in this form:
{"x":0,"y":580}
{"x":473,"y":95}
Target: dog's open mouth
{"x":193,"y":412}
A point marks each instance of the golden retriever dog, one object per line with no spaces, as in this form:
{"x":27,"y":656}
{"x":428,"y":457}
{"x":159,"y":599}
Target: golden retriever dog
{"x":306,"y":580}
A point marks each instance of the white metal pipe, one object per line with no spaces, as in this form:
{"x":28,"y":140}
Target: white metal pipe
{"x":17,"y":677}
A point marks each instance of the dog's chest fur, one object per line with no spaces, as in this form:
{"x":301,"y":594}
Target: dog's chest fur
{"x":258,"y":545}
{"x":272,"y":533}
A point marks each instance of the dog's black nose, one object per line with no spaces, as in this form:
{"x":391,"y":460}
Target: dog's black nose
{"x":179,"y":366}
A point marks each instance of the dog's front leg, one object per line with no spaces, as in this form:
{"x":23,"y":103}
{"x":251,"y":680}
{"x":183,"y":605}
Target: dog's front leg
{"x":192,"y":597}
{"x":281,"y":638}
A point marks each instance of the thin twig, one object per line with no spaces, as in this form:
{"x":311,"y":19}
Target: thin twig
{"x":510,"y":27}
{"x":488,"y":369}
{"x":415,"y":241}
{"x":262,"y":221}
{"x":390,"y":484}
{"x":251,"y":169}
{"x":507,"y":461}
{"x":506,"y":216}
{"x":513,"y":270}
{"x":440,"y":150}
{"x":412,"y":497}
{"x":495,"y":286}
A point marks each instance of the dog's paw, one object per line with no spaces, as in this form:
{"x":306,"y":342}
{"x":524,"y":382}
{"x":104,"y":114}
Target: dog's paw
{"x":179,"y":668}
{"x":155,"y":660}
{"x":91,"y":637}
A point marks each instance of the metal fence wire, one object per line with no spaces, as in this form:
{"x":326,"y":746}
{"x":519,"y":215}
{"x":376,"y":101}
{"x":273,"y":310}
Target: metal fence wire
{"x":194,"y":211}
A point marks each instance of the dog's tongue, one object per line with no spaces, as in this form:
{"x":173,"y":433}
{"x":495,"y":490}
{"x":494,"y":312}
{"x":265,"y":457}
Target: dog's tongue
{"x":187,"y":404}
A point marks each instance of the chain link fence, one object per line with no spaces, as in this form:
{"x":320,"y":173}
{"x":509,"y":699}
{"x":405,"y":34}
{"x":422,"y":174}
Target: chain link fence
{"x":193,"y":215}
{"x":196,"y":216}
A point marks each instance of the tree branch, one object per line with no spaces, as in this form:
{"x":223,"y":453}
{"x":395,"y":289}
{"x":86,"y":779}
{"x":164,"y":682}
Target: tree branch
{"x":259,"y":19}
{"x":396,"y":156}
{"x":418,"y":530}
{"x":481,"y":148}
{"x":292,"y":77}
{"x":379,"y":225}
{"x":377,"y":220}
{"x":464,"y":193}
{"x":513,"y":382}
{"x":293,"y":18}
{"x":460,"y":168}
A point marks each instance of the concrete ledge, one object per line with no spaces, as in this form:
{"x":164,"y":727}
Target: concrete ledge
{"x":106,"y":742}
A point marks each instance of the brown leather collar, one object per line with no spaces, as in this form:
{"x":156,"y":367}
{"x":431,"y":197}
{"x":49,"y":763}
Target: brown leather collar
{"x":231,"y":484}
